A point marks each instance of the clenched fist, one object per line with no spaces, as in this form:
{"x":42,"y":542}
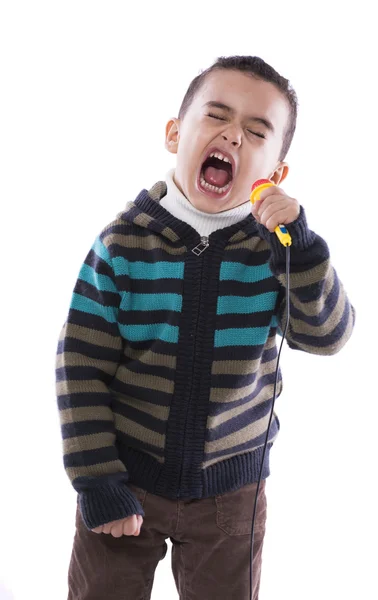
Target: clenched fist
{"x":275,"y":208}
{"x":128,"y":526}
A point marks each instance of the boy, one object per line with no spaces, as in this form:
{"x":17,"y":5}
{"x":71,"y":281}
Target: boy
{"x":166,"y":362}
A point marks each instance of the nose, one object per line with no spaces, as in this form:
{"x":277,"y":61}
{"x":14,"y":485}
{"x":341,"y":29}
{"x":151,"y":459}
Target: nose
{"x":233,"y":136}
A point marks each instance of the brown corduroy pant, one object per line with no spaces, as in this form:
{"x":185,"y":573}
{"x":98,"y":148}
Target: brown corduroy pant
{"x":210,"y":538}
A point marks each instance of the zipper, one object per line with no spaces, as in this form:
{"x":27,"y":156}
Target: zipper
{"x":204,"y":243}
{"x":197,"y":250}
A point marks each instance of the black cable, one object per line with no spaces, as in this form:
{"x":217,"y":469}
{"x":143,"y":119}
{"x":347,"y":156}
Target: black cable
{"x":271,"y":414}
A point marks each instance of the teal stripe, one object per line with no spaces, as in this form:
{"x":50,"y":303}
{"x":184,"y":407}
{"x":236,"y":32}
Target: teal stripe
{"x":109,"y":313}
{"x":236,"y":271}
{"x":142,"y":333}
{"x":274,"y":321}
{"x":101,"y":250}
{"x":246,"y":305}
{"x":148,"y":302}
{"x":101,"y":282}
{"x":246,"y":336}
{"x":144,"y":270}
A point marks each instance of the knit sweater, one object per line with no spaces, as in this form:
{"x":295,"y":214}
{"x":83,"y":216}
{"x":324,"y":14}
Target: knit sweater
{"x":165,"y":364}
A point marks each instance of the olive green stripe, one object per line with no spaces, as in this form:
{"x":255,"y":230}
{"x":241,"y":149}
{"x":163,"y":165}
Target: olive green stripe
{"x":332,"y":348}
{"x":74,"y":359}
{"x":227,"y":415}
{"x":311,"y":309}
{"x":81,"y":386}
{"x":299,"y":326}
{"x":84,"y":443}
{"x":158,"y":190}
{"x":85,"y":413}
{"x":226,"y":395}
{"x":231,"y":454}
{"x":91,"y":336}
{"x":314,"y":275}
{"x":155,"y":410}
{"x":148,"y":357}
{"x":250,"y":432}
{"x":142,"y":380}
{"x":241,"y":367}
{"x":149,"y":243}
{"x":108,"y":468}
{"x":254,"y":244}
{"x":137,"y":431}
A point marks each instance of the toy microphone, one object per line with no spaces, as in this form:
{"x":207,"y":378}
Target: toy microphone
{"x":281,"y":231}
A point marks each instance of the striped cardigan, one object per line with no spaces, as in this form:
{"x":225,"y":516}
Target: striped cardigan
{"x":165,"y":365}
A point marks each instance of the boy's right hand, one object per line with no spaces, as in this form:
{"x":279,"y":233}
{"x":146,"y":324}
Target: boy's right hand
{"x":128,"y":526}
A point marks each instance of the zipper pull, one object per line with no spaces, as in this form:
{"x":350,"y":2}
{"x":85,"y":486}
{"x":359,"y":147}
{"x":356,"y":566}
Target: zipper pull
{"x":202,"y":246}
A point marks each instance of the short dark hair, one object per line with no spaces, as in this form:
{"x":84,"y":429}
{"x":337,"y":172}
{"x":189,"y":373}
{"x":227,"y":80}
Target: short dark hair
{"x":258,"y":68}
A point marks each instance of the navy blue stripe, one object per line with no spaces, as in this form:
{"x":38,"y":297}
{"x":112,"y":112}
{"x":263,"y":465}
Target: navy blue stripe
{"x":217,"y":408}
{"x":237,"y":352}
{"x":269,"y":354}
{"x":98,"y":264}
{"x":300,"y":260}
{"x":140,"y":393}
{"x":251,"y":415}
{"x":141,"y":368}
{"x":249,"y":445}
{"x":325,"y":340}
{"x":104,"y":298}
{"x":70,"y":344}
{"x":143,"y":254}
{"x":149,"y":286}
{"x":143,"y":317}
{"x":80,"y":373}
{"x":85,"y":458}
{"x":129,"y":441}
{"x":257,"y":319}
{"x":78,"y":428}
{"x":159,"y":346}
{"x":140,"y":417}
{"x":248,"y":258}
{"x":79,"y":400}
{"x":233,"y":382}
{"x":77,"y":317}
{"x":321,"y":317}
{"x":238,"y":288}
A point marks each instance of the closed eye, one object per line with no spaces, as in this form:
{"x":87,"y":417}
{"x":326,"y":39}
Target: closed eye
{"x":260,"y":135}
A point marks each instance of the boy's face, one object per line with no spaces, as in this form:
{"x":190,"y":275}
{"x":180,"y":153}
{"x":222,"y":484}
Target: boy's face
{"x":232,"y":133}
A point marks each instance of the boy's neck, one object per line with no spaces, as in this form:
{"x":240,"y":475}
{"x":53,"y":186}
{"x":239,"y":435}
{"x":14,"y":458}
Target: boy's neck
{"x":205,"y":223}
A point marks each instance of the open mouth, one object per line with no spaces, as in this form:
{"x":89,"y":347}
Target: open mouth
{"x":216,"y":174}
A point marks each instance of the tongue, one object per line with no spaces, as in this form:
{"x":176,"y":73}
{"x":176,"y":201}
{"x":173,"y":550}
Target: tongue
{"x":218,"y":177}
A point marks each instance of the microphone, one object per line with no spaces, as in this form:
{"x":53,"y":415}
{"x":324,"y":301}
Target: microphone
{"x":281,"y":231}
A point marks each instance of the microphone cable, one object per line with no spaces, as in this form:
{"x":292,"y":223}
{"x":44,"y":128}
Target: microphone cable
{"x":271,"y":414}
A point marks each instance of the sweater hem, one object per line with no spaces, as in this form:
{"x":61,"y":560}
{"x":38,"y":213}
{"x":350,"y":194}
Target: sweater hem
{"x":222,"y":477}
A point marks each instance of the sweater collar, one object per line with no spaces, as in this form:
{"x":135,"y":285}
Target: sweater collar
{"x":205,"y":223}
{"x":147,"y":212}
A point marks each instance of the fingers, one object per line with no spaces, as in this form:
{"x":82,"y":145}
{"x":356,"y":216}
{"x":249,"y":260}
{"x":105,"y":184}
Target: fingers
{"x":140,"y":521}
{"x":128,"y":526}
{"x":98,"y":529}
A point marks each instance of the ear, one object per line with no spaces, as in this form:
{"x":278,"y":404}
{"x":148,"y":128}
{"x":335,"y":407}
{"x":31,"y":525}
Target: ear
{"x":280,"y":173}
{"x":172,"y":135}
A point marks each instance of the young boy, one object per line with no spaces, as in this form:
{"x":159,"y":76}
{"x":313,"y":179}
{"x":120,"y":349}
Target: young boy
{"x":166,"y":362}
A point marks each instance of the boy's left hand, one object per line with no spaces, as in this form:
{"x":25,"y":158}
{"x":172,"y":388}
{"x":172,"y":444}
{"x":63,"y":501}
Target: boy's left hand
{"x":275,"y":208}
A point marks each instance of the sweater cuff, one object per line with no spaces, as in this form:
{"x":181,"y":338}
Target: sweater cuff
{"x":108,"y":503}
{"x":302,"y":237}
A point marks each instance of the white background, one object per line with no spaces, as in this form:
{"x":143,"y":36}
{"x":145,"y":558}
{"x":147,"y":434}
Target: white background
{"x":86,"y":91}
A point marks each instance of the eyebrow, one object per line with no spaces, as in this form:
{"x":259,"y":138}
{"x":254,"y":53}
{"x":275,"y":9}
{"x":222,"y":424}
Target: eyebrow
{"x":231,"y":111}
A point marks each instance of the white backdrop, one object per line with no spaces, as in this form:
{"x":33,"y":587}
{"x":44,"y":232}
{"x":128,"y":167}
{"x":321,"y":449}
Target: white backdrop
{"x":87,"y":88}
